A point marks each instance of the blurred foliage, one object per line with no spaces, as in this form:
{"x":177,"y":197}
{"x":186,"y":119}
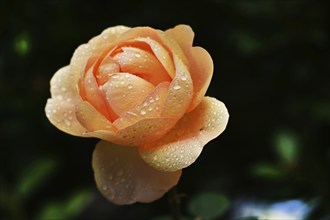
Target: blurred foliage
{"x":34,"y":175}
{"x":208,"y":205}
{"x":272,"y":69}
{"x":66,"y":209}
{"x":22,"y":44}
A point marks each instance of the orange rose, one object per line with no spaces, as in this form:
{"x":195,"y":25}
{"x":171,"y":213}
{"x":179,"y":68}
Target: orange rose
{"x":141,"y":91}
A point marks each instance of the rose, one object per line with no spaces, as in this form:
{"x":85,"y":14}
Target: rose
{"x":141,"y":91}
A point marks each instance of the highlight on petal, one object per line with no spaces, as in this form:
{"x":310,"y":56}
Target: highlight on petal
{"x":124,"y":178}
{"x":60,"y":109}
{"x":182,"y":145}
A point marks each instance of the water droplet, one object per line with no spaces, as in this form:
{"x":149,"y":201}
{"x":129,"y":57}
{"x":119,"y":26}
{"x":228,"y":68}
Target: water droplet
{"x":184,"y":78}
{"x":130,"y":86}
{"x":120,"y":172}
{"x":143,"y":112}
{"x":105,"y":187}
{"x":137,"y":55}
{"x":177,"y":87}
{"x":54,"y":111}
{"x":150,"y":108}
{"x":68,"y":123}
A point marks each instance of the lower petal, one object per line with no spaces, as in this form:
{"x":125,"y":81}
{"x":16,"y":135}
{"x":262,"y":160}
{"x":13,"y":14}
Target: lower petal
{"x":124,"y":178}
{"x":182,"y":145}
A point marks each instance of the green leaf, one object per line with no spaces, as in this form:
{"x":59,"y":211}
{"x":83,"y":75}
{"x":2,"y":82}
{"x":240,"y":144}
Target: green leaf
{"x":34,"y":175}
{"x":286,"y":146}
{"x":66,"y":209}
{"x":267,"y":171}
{"x":208,"y":205}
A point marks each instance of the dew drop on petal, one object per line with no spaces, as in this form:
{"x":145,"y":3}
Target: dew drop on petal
{"x":120,"y":172}
{"x":143,"y":112}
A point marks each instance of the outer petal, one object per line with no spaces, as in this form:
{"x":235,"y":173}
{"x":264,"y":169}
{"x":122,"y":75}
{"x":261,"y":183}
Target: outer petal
{"x":60,"y":109}
{"x":201,"y":70}
{"x":124,"y":178}
{"x":180,"y":91}
{"x":183,"y":144}
{"x":183,"y":34}
{"x":200,"y":62}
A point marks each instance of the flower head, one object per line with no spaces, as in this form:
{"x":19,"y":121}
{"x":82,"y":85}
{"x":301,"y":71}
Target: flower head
{"x":142,"y":91}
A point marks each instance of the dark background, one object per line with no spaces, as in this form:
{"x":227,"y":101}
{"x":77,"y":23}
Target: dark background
{"x":272,"y":68}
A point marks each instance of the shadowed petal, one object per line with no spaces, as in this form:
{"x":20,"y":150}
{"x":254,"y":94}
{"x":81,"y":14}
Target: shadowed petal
{"x":181,"y":146}
{"x":124,"y":178}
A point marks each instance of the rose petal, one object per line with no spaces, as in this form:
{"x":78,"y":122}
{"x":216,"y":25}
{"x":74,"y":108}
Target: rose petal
{"x":95,"y":45}
{"x":145,"y":130}
{"x":201,"y":69}
{"x":161,"y":53}
{"x":151,"y":107}
{"x":152,"y":38}
{"x":181,"y":146}
{"x":124,"y":91}
{"x":200,"y":62}
{"x":142,"y":63}
{"x":180,"y":91}
{"x":124,"y":178}
{"x":91,"y":119}
{"x":183,"y":34}
{"x":60,"y":109}
{"x":90,"y":91}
